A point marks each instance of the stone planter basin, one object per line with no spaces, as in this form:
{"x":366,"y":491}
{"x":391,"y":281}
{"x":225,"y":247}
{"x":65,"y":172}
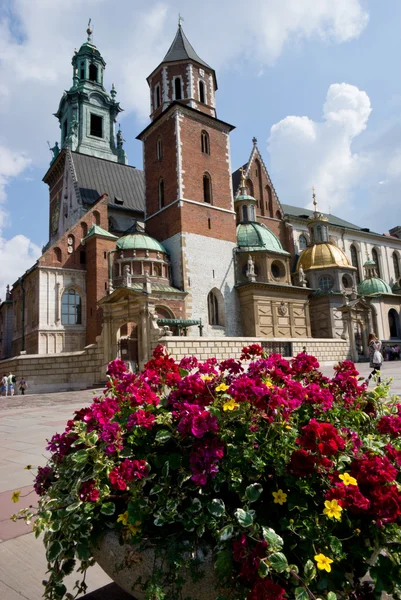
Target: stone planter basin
{"x":124,"y":564}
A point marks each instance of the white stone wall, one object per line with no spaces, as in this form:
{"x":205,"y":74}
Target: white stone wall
{"x":53,"y":336}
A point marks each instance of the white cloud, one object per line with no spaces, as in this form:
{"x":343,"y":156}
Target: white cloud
{"x":306,"y":153}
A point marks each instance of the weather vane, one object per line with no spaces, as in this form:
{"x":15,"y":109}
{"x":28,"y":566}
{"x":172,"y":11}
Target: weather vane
{"x":180,"y":19}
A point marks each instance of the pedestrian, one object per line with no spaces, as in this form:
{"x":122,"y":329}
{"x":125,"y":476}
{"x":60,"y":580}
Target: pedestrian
{"x":11,"y":381}
{"x":22,"y":385}
{"x":3,"y":385}
{"x":397,"y":352}
{"x":375,"y":356}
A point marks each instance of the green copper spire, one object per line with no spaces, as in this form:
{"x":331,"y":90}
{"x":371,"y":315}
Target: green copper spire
{"x":87,"y":113}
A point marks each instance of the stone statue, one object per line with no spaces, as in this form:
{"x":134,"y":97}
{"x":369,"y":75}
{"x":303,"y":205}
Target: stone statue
{"x":126,"y":276}
{"x":147,"y":284}
{"x":55,"y":150}
{"x":72,"y":132}
{"x":250,"y":271}
{"x":301,"y":277}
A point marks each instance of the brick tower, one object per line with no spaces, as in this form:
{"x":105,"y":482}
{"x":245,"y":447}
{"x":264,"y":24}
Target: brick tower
{"x":189,"y":198}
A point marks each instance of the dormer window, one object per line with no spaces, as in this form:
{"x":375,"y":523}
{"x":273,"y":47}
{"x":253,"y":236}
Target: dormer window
{"x":157,"y":99}
{"x":93,"y":72}
{"x":202,"y":94}
{"x":177,"y":88}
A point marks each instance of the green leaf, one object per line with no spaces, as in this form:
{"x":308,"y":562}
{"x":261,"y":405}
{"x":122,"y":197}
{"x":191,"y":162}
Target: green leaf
{"x":174,"y":461}
{"x":196,"y":505}
{"x":271,"y":537}
{"x":166,"y":469}
{"x":244,"y":517}
{"x":331,"y":596}
{"x":163,"y":436}
{"x":263,"y":569}
{"x":156,"y":489}
{"x":83,"y":552}
{"x":278,"y":562}
{"x":80,"y":457}
{"x":108,"y":508}
{"x":216,"y":507}
{"x":68,"y":566}
{"x":223,"y":563}
{"x":54,"y":551}
{"x":226,"y":533}
{"x":253,"y":492}
{"x":309,"y":570}
{"x":126,"y":452}
{"x":335,"y":544}
{"x":74,"y":506}
{"x":301,"y":594}
{"x":92,"y":438}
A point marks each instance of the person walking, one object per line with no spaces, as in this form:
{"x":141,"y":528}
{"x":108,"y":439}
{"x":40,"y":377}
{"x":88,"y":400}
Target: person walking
{"x":3,"y":385}
{"x":11,"y":381}
{"x":375,"y":356}
{"x":22,"y":385}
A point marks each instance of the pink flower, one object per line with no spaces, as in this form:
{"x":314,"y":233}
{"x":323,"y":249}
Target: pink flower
{"x":88,"y":491}
{"x":127,"y":472}
{"x":141,"y":418}
{"x":204,"y":460}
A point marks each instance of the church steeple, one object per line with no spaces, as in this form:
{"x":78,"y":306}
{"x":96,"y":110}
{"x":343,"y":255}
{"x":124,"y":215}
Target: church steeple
{"x":183,"y":77}
{"x":87,"y":113}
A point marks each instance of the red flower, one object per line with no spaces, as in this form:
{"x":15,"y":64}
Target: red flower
{"x":373,"y":470}
{"x":321,"y":437}
{"x":393,"y":454}
{"x":141,"y":418}
{"x":88,"y":491}
{"x":265,"y":588}
{"x":250,"y":351}
{"x":386,"y":501}
{"x":303,"y":363}
{"x":302,"y":463}
{"x":204,"y":460}
{"x":390,"y":424}
{"x":348,"y":496}
{"x":127,"y":472}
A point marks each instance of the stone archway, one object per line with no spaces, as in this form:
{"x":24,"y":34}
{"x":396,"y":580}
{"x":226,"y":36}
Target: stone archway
{"x":394,"y":323}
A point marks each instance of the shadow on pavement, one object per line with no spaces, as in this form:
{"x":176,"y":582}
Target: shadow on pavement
{"x":108,"y":592}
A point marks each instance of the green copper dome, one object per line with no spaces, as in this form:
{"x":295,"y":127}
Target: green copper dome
{"x":139,"y":241}
{"x":373,"y":287}
{"x":254,"y":236}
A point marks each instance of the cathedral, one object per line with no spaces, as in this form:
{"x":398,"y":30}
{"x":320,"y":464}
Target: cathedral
{"x":186,"y":247}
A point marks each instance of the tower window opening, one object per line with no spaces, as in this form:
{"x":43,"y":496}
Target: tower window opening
{"x":82,"y":71}
{"x":207,"y":189}
{"x":177,"y":88}
{"x":93,"y":72}
{"x":157,"y":96}
{"x":96,"y":127}
{"x":245,"y":213}
{"x":252,"y":213}
{"x":209,"y":223}
{"x":205,"y":142}
{"x":159,"y":148}
{"x":202,"y":95}
{"x":161,"y":193}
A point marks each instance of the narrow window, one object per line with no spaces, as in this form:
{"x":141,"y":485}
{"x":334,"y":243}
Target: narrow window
{"x":157,"y":96}
{"x":161,"y":193}
{"x":302,"y":242}
{"x":270,"y":200}
{"x":96,"y":217}
{"x":84,"y":229}
{"x":57,"y":253}
{"x":71,"y":308}
{"x":209,"y":223}
{"x":104,"y":254}
{"x":355,"y":262}
{"x":202,"y":92}
{"x":252,"y":213}
{"x":82,"y":70}
{"x":93,"y":72}
{"x":207,"y":189}
{"x":105,"y":285}
{"x":82,"y":257}
{"x":375,"y":258}
{"x":96,"y":126}
{"x":177,"y":88}
{"x":396,"y":265}
{"x":213,"y":309}
{"x":245,"y":213}
{"x":205,"y":142}
{"x":159,"y":148}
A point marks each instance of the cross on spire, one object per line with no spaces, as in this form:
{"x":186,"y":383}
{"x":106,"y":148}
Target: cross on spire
{"x":180,"y":19}
{"x":89,"y":30}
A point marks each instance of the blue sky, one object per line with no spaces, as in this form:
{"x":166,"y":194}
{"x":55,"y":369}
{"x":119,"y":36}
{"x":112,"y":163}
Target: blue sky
{"x":317,"y":82}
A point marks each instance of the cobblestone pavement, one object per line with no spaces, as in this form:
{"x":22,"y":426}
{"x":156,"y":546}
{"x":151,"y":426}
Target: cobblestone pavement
{"x":25,"y":424}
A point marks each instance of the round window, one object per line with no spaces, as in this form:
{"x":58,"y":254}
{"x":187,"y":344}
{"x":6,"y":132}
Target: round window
{"x":325,"y":282}
{"x":277,"y":270}
{"x":346,"y":281}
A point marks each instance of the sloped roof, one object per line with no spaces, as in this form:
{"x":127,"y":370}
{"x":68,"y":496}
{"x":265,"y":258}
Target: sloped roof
{"x":97,"y":176}
{"x":296,"y":211}
{"x":97,"y":230}
{"x":181,"y":49}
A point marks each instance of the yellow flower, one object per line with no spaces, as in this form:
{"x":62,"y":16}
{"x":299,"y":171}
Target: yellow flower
{"x":15,"y":496}
{"x":230,"y":405}
{"x":222,"y":387}
{"x":279,"y":497}
{"x":348,"y":480}
{"x":123,"y":518}
{"x":332,"y":510}
{"x":135,"y":528}
{"x":207,"y":377}
{"x":268,"y":383}
{"x":28,"y":468}
{"x":323,"y":562}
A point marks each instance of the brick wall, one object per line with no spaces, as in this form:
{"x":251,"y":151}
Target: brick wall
{"x":326,"y":351}
{"x":57,"y":373}
{"x":97,"y":277}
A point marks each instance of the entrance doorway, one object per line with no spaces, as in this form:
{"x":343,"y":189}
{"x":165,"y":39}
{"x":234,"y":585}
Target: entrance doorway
{"x":394,"y":323}
{"x":127,"y":344}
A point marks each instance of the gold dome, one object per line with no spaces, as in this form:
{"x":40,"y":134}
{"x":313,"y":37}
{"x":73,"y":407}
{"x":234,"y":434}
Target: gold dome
{"x":321,"y":256}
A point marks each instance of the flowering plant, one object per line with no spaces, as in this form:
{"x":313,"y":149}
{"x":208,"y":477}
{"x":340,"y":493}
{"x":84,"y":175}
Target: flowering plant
{"x":290,"y":478}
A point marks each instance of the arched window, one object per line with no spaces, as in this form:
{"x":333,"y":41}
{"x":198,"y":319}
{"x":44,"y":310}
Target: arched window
{"x":84,"y":229}
{"x":71,"y":308}
{"x":213,"y":309}
{"x":245,"y":213}
{"x":207,"y":188}
{"x":93,"y":72}
{"x":202,"y":95}
{"x":302,"y":242}
{"x":269,"y":200}
{"x":375,"y":258}
{"x":157,"y":100}
{"x":394,"y":323}
{"x":177,"y":88}
{"x":278,"y":214}
{"x":161,"y":193}
{"x":205,"y":142}
{"x":396,"y":264}
{"x":319,"y":236}
{"x":159,"y":148}
{"x":252,"y":213}
{"x":249,"y":185}
{"x":96,"y":217}
{"x":354,"y":261}
{"x":57,"y":254}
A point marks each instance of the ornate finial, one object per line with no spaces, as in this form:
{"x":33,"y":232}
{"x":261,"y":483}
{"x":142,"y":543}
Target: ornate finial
{"x":255,"y":141}
{"x":75,"y":51}
{"x":314,"y":198}
{"x":89,"y":31}
{"x":180,"y":20}
{"x":113,"y":92}
{"x":242,"y":183}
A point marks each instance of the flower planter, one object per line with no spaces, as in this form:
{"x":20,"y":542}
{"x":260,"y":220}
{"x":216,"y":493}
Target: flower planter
{"x":124,"y":564}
